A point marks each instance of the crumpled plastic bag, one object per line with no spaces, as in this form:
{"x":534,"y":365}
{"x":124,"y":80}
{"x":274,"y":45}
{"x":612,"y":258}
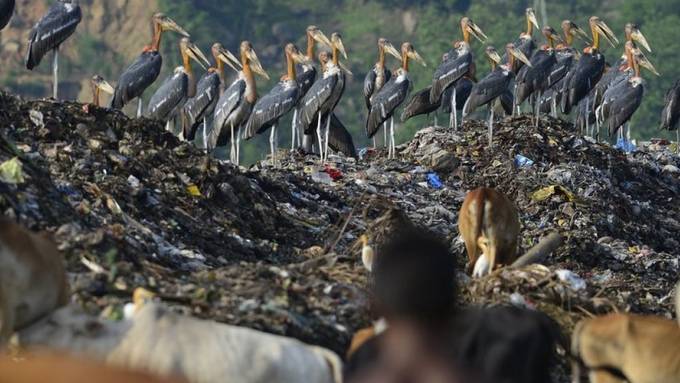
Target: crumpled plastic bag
{"x":547,"y":192}
{"x":12,"y":172}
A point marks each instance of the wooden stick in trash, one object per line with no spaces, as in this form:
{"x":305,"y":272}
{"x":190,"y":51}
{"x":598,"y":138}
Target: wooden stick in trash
{"x":540,"y":252}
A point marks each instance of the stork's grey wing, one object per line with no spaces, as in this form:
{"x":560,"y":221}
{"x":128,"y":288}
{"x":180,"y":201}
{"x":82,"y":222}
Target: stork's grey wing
{"x":228,"y":102}
{"x":168,"y":97}
{"x":369,"y":86}
{"x":270,"y":108}
{"x":136,"y":78}
{"x":305,"y":80}
{"x":623,"y":107}
{"x":384,"y":104}
{"x":671,"y":110}
{"x":447,"y":73}
{"x":488,"y":89}
{"x":339,"y":138}
{"x":6,"y":12}
{"x":196,"y":108}
{"x":312,"y":102}
{"x":418,"y":104}
{"x":54,"y":28}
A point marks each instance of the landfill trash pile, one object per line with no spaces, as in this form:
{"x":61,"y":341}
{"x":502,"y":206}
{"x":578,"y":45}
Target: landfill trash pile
{"x":277,"y":249}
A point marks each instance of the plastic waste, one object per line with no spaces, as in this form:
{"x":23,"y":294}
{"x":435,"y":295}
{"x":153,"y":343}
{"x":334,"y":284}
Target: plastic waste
{"x":523,"y":162}
{"x":434,"y":181}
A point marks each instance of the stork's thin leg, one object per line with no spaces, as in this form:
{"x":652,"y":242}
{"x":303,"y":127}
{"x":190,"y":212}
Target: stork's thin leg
{"x":55,"y":73}
{"x":272,"y":149}
{"x":384,"y":125}
{"x":232,"y":153}
{"x":328,"y":129}
{"x":537,"y":105}
{"x":553,"y":106}
{"x":374,"y":143}
{"x":677,"y":141}
{"x":168,"y":126}
{"x":515,"y":107}
{"x":238,"y":148}
{"x":139,"y":106}
{"x":491,"y":129}
{"x":587,"y":116}
{"x":318,"y":136}
{"x":393,"y":146}
{"x":436,"y":122}
{"x":294,"y":131}
{"x":454,"y":109}
{"x":628,"y":132}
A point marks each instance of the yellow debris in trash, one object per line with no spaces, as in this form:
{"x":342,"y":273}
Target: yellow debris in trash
{"x":194,"y":191}
{"x":11,"y":172}
{"x":547,"y":192}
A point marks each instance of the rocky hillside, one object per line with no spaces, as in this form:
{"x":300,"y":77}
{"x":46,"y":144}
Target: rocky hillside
{"x":107,"y":37}
{"x":276,"y":248}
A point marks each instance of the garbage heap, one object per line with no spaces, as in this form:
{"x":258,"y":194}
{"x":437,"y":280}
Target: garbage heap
{"x":276,"y":247}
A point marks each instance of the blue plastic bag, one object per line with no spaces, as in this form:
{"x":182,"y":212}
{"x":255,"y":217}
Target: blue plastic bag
{"x":523,"y":162}
{"x":434,"y":181}
{"x":625,"y":145}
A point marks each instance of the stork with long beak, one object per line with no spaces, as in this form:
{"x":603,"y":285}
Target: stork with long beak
{"x":145,"y":69}
{"x":320,"y":102}
{"x":57,"y":25}
{"x":589,"y":69}
{"x":385,"y":103}
{"x":198,"y":110}
{"x":305,"y":79}
{"x":533,"y":80}
{"x":670,"y":116}
{"x":460,"y":62}
{"x":566,"y":56}
{"x":379,"y":75}
{"x":494,"y":85}
{"x":167,"y":102}
{"x":236,"y":103}
{"x":525,"y":43}
{"x":269,"y":109}
{"x":623,"y":99}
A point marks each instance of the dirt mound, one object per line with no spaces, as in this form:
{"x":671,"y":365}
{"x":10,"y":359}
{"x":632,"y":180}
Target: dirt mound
{"x":276,"y":249}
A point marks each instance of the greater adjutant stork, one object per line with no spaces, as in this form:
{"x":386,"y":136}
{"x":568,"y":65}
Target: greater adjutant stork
{"x":199,"y":109}
{"x":525,"y":42}
{"x":566,"y":56}
{"x":494,"y":85}
{"x":322,"y":98}
{"x":236,"y":103}
{"x":305,"y":79}
{"x":379,"y":75}
{"x":57,"y":25}
{"x":589,"y":69}
{"x":6,"y":12}
{"x":146,"y":68}
{"x":623,"y":99}
{"x":460,"y":62}
{"x":385,"y":103}
{"x":167,"y":102}
{"x":671,"y":112}
{"x":534,"y":80}
{"x":278,"y":102}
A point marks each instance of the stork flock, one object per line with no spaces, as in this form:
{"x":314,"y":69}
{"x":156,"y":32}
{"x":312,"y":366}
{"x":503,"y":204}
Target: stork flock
{"x":552,"y":78}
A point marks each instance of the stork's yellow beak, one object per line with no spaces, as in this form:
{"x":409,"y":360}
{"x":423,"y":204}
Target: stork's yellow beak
{"x":321,"y":38}
{"x":255,"y":64}
{"x":640,"y":38}
{"x":197,"y":55}
{"x":389,"y":48}
{"x":168,"y":24}
{"x":520,"y":56}
{"x":606,"y":32}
